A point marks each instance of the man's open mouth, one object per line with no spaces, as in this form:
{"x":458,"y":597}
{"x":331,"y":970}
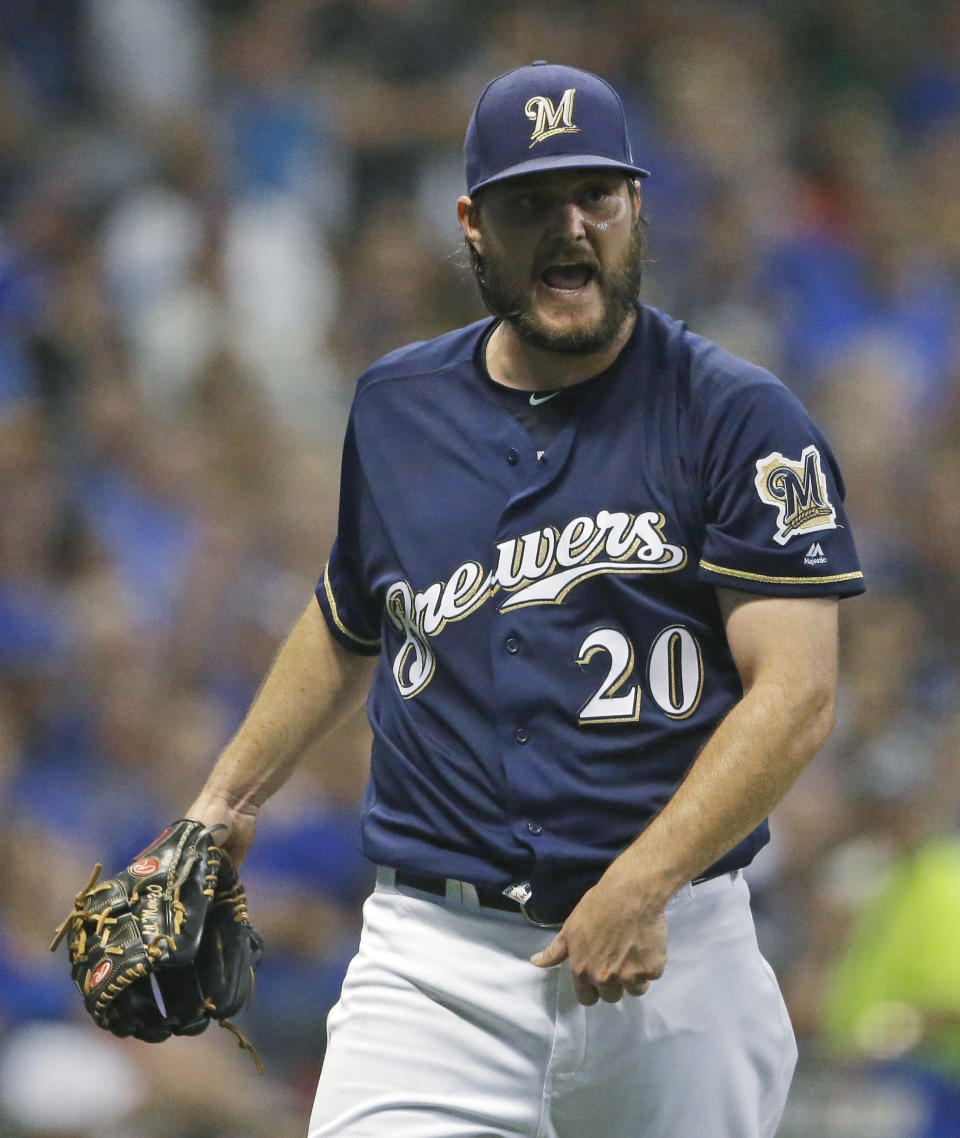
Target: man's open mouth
{"x":568,"y":277}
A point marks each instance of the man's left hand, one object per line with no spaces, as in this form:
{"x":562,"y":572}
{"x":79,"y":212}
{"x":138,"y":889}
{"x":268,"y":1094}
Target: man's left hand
{"x":613,"y":948}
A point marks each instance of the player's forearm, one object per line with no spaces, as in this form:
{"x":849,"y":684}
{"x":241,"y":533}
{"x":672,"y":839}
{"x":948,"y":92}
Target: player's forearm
{"x":312,"y":687}
{"x":747,"y":766}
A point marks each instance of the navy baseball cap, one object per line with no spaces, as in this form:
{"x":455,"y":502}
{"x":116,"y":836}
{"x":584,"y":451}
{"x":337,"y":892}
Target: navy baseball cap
{"x":545,"y":117}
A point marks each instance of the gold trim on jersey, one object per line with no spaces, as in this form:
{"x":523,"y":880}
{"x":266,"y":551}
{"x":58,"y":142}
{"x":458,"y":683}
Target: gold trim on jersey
{"x":828,"y":580}
{"x":331,"y":601}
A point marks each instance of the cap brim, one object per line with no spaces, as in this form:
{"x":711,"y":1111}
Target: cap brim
{"x":560,"y":162}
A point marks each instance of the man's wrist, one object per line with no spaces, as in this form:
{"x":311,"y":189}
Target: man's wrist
{"x":213,"y":805}
{"x":650,"y":885}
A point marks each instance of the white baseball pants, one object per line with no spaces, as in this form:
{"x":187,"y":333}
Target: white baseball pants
{"x":444,"y":1029}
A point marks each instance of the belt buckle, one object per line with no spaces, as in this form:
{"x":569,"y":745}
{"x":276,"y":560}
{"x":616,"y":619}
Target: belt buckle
{"x":522,"y":893}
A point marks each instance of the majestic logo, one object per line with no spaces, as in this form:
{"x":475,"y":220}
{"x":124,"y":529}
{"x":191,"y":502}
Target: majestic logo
{"x":537,"y":568}
{"x":798,"y":492}
{"x":815,"y":555}
{"x":549,"y":120}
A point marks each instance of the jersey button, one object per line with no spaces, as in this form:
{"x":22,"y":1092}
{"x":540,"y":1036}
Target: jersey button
{"x":535,"y":827}
{"x":512,"y":645}
{"x":521,"y":735}
{"x":513,"y":456}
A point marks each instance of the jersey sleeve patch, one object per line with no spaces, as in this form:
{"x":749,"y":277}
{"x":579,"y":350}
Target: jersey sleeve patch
{"x":773,"y":501}
{"x":797,"y":491}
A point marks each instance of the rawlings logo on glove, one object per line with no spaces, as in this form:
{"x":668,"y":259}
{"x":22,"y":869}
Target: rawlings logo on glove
{"x":166,"y":945}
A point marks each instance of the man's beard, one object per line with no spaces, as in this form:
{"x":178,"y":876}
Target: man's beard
{"x":619,"y":289}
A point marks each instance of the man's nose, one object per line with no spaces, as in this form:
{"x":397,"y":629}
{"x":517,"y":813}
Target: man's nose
{"x":568,"y":218}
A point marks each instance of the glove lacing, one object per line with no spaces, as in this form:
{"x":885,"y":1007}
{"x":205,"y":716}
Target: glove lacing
{"x":77,"y":946}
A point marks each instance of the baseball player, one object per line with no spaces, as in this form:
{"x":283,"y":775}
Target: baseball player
{"x":586,"y":577}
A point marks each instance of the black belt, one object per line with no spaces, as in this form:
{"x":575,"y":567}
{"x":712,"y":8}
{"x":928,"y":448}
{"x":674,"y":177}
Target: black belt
{"x":490,"y":897}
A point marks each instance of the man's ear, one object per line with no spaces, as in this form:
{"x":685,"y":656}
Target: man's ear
{"x":467,"y":216}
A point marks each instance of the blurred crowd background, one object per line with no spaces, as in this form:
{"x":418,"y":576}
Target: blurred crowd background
{"x":213,"y":215}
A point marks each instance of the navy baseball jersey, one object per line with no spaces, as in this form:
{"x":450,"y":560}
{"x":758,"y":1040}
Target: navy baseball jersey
{"x":552,"y":653}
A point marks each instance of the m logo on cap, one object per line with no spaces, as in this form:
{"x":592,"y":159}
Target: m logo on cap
{"x":549,"y":120}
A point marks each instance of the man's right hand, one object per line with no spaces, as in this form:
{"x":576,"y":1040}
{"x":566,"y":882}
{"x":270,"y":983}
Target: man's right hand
{"x":241,"y":825}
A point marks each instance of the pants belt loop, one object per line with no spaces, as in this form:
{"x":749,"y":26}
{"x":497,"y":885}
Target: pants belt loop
{"x":454,"y":891}
{"x":469,"y":896}
{"x":386,"y":877}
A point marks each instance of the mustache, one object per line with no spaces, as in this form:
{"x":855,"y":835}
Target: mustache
{"x":568,"y":257}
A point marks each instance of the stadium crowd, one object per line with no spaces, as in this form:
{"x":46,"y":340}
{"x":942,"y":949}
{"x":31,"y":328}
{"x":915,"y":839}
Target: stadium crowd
{"x":213,"y":215}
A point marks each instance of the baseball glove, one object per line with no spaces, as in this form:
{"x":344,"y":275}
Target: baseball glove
{"x":166,"y":945}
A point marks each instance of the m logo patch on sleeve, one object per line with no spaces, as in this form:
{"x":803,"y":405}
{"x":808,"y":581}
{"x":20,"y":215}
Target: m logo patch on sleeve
{"x":797,"y":491}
